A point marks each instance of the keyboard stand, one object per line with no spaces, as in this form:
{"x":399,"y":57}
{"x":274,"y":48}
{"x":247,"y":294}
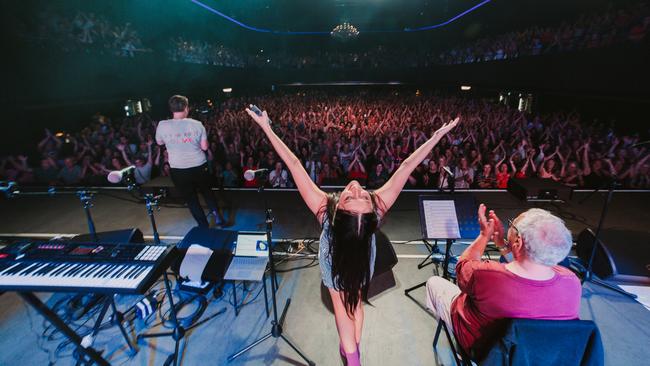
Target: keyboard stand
{"x":37,"y":304}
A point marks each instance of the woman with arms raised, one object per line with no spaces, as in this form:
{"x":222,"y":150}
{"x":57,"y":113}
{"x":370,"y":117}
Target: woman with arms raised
{"x":349,"y":220}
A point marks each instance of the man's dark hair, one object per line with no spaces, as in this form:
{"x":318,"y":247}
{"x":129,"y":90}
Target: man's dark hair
{"x":178,"y":103}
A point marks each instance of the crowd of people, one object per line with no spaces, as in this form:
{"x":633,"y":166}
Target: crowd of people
{"x":204,"y":52}
{"x":363,"y":135}
{"x":88,"y":32}
{"x":588,"y":31}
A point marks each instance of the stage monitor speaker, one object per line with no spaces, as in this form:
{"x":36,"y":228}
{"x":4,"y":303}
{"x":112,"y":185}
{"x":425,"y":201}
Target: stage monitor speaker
{"x":621,"y":255}
{"x":220,"y":241}
{"x":538,"y":189}
{"x":133,"y":235}
{"x":386,"y":258}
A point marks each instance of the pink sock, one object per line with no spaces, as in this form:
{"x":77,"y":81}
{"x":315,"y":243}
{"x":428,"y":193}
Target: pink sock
{"x":354,"y":359}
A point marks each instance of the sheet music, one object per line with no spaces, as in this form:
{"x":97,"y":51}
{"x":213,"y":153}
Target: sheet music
{"x":440,"y":219}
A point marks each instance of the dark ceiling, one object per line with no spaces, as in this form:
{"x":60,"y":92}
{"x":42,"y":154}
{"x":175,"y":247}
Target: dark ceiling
{"x":159,"y":20}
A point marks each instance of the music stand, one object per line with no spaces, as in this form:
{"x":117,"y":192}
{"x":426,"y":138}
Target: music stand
{"x":438,"y":221}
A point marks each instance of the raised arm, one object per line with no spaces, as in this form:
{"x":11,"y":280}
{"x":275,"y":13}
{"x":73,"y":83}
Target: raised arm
{"x":390,"y":190}
{"x":563,"y":166}
{"x":124,"y":156}
{"x":586,"y":167}
{"x":42,"y":143}
{"x":311,"y":194}
{"x":149,"y":154}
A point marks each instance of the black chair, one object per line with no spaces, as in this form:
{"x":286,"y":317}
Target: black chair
{"x":460,"y":356}
{"x":536,"y":342}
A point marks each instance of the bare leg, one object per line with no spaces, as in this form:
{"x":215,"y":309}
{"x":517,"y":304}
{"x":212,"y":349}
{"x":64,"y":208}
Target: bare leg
{"x":345,"y":325}
{"x":358,"y":322}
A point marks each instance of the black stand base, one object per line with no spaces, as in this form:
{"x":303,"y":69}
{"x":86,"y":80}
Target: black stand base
{"x":179,"y":332}
{"x":433,"y":249}
{"x":276,"y":332}
{"x":445,"y":269}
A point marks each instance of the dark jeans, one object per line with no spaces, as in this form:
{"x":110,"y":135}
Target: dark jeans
{"x":189,"y":182}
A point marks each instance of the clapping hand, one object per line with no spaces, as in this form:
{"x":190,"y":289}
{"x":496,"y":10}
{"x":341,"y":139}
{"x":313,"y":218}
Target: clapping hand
{"x":487,"y":225}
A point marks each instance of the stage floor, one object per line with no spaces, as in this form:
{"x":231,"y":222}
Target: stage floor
{"x":396,"y":332}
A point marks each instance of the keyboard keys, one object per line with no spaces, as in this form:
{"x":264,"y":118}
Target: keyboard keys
{"x":135,"y":266}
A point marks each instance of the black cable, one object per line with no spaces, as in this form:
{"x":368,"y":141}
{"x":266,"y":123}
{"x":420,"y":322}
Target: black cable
{"x":313,"y":263}
{"x":245,"y":294}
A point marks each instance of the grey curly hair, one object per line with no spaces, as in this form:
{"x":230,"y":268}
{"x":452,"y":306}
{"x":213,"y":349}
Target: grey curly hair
{"x":546,"y":239}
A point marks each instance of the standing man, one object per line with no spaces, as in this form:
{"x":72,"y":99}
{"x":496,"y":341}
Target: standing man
{"x":186,"y":142}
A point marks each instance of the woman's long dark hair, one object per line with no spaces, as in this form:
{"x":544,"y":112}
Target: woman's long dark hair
{"x":350,"y":238}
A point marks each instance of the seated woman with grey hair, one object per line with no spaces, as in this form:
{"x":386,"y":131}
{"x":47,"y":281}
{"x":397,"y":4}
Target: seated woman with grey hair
{"x":532,"y":286}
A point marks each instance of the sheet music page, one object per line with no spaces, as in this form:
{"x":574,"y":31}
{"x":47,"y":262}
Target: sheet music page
{"x":440,"y":219}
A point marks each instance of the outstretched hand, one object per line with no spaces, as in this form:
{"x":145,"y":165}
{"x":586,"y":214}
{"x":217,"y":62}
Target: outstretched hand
{"x":262,"y":121}
{"x":446,"y":127}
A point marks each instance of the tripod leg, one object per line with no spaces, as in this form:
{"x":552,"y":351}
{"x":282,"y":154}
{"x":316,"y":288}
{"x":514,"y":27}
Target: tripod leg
{"x":424,"y":261}
{"x":298,"y":351}
{"x":234,"y":297}
{"x":407,"y":292}
{"x":100,"y":318}
{"x":176,"y":346}
{"x":284,"y":312}
{"x":249,"y":347}
{"x":266,"y":297}
{"x":223,"y":310}
{"x":172,"y":306}
{"x":414,"y":287}
{"x":118,"y":320}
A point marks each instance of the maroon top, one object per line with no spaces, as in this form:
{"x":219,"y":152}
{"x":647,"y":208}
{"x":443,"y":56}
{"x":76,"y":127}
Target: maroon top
{"x":490,"y":292}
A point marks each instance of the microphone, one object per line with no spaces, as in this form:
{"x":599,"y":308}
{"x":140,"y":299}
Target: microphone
{"x":116,"y":176}
{"x":446,"y":169}
{"x":257,"y":111}
{"x":8,"y":187}
{"x":251,"y":174}
{"x":641,"y":143}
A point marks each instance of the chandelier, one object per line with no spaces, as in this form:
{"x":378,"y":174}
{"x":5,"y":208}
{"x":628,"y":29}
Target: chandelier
{"x":344,"y":32}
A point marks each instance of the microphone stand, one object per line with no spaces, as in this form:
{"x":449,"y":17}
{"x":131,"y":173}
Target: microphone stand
{"x":178,"y":331}
{"x":276,"y":324}
{"x":86,"y":197}
{"x":589,"y":275}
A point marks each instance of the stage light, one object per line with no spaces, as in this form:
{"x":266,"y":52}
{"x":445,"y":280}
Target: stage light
{"x":59,"y":134}
{"x":465,"y":87}
{"x":227,"y":90}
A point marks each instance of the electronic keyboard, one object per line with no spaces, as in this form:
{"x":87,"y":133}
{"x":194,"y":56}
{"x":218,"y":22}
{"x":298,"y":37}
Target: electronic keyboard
{"x":55,"y":266}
